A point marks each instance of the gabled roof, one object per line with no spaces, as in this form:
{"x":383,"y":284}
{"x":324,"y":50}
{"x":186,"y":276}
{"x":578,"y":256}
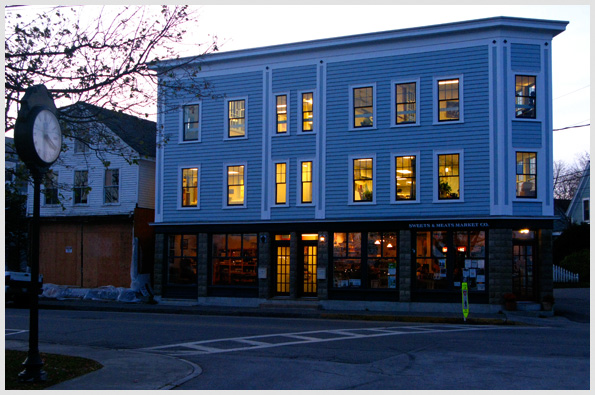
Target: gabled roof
{"x":582,"y":186}
{"x":139,"y":134}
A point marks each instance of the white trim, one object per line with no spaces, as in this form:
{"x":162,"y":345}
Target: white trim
{"x":393,"y":98}
{"x":181,"y":122}
{"x":179,"y":194}
{"x":436,"y":109}
{"x":435,"y":177}
{"x":539,"y":168}
{"x":274,"y":115}
{"x":350,"y":200}
{"x":300,"y":112}
{"x":273,"y":196}
{"x":74,"y":204}
{"x":299,"y":182}
{"x":226,"y":186}
{"x":351,"y":127}
{"x":119,"y":184}
{"x":226,"y":118}
{"x":391,"y":178}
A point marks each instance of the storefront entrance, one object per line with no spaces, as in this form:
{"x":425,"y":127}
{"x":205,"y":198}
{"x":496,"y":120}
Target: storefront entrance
{"x":308,"y":259}
{"x":281,"y":267}
{"x":523,"y":258}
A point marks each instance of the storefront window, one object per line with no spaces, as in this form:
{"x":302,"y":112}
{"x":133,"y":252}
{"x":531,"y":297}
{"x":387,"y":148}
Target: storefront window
{"x":382,"y":260}
{"x":347,"y":258}
{"x":234,"y":259}
{"x":182,"y":260}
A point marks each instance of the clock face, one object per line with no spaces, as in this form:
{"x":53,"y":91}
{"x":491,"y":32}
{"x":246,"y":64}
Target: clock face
{"x":47,"y":136}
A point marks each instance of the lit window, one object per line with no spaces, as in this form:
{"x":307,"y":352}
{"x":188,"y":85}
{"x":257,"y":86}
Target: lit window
{"x":363,"y":107}
{"x":448,"y":100}
{"x":307,"y":112}
{"x":50,"y":188}
{"x":81,"y":186}
{"x":448,"y":176}
{"x":405,"y":178}
{"x":525,"y":96}
{"x":363,"y":180}
{"x":237,"y":119}
{"x":235,"y":185}
{"x":281,"y":114}
{"x":190,"y":187}
{"x":526,"y":174}
{"x":235,"y":259}
{"x":307,"y":182}
{"x":111,"y":186}
{"x":406,"y":103}
{"x":280,"y":183}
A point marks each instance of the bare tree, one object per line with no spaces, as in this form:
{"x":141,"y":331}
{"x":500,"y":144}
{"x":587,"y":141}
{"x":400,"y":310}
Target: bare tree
{"x":567,"y":176}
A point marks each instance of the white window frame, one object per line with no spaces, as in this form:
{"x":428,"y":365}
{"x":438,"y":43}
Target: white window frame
{"x":225,"y":181}
{"x":392,"y":180}
{"x":181,"y":123}
{"x":226,"y":118}
{"x":299,"y":182}
{"x":179,"y":194}
{"x":274,"y":183}
{"x":393,"y":93}
{"x":352,"y":127}
{"x":351,"y":158}
{"x":300,"y":120}
{"x":436,"y":108}
{"x":275,"y":134}
{"x":74,"y":186}
{"x":119,"y":189}
{"x":57,"y":173}
{"x":435,"y":173}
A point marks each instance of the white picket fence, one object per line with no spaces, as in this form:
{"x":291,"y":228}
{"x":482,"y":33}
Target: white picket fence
{"x":562,"y":275}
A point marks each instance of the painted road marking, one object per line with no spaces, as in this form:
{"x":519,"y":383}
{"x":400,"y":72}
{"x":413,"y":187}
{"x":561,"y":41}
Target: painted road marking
{"x":215,"y":346}
{"x":11,"y":332}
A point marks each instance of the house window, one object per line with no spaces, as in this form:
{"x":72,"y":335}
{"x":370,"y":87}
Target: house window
{"x":448,"y":177}
{"x":182,"y":260}
{"x":526,"y":174}
{"x":190,"y":123}
{"x":50,"y":188}
{"x":111,"y":186}
{"x":363,"y":107}
{"x":236,"y":118}
{"x":363,"y":180}
{"x":307,"y":182}
{"x":235,"y":185}
{"x":80,"y":141}
{"x":282,"y":114}
{"x":308,"y":112}
{"x":406,"y":103}
{"x":586,"y":203}
{"x":448,"y":100}
{"x":190,"y":187}
{"x":235,"y":259}
{"x":280,"y":183}
{"x":81,"y":186}
{"x":405,"y":178}
{"x":525,"y":97}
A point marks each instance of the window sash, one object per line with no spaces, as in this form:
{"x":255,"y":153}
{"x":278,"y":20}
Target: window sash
{"x":306,"y":169}
{"x":405,"y":178}
{"x":307,"y":112}
{"x":448,"y":100}
{"x":525,"y":96}
{"x":406,"y":103}
{"x":111,"y":186}
{"x":448,"y":177}
{"x":81,"y":184}
{"x":363,"y":180}
{"x":235,"y":185}
{"x":526,"y":174}
{"x":190,"y":122}
{"x":236,"y":119}
{"x":280,"y":183}
{"x":50,"y":188}
{"x":363,"y":107}
{"x":190,"y":187}
{"x":281,"y":109}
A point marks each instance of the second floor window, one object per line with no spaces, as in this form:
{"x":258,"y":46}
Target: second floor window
{"x":406,"y":102}
{"x":237,"y":119}
{"x":50,"y":188}
{"x":280,"y":183}
{"x":80,"y":141}
{"x":405,"y":178}
{"x":235,"y":185}
{"x":81,"y":186}
{"x":363,"y":107}
{"x":111,"y":186}
{"x":307,"y":112}
{"x":307,"y":182}
{"x":281,"y":110}
{"x":363,"y":180}
{"x":190,"y":122}
{"x":525,"y":96}
{"x":526,"y":174}
{"x":448,"y":100}
{"x":190,"y":187}
{"x":448,"y":177}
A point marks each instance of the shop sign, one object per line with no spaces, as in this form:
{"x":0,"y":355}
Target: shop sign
{"x":449,"y":225}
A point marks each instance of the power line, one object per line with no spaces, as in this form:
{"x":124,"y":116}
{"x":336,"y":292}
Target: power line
{"x":572,"y":127}
{"x":569,"y":93}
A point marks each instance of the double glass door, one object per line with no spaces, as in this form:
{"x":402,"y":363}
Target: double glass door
{"x":306,"y":265}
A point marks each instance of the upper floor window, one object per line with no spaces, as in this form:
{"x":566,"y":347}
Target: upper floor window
{"x":448,"y":177}
{"x":280,"y":183}
{"x":525,"y":97}
{"x":363,"y":107}
{"x":50,"y":188}
{"x":308,"y":112}
{"x":236,"y":118}
{"x":81,"y":186}
{"x":406,"y":176}
{"x":190,"y":123}
{"x":526,"y":174}
{"x":282,"y":119}
{"x":406,"y":103}
{"x":80,"y":141}
{"x":363,"y":180}
{"x":586,"y":206}
{"x":190,"y":187}
{"x":111,"y":186}
{"x":448,"y":100}
{"x":307,"y":182}
{"x":235,"y":186}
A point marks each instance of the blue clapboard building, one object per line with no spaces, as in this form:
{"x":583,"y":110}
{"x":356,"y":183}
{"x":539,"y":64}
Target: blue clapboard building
{"x":376,"y":171}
